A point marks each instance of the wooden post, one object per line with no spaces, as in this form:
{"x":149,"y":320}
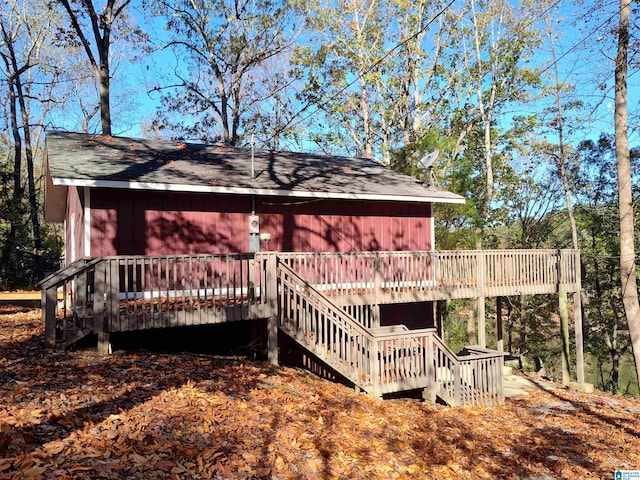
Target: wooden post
{"x":429,"y":393}
{"x":375,"y":316}
{"x":499,"y":332}
{"x":253,"y":307}
{"x":99,"y":298}
{"x":564,"y":335}
{"x":577,"y":307}
{"x":374,"y":362}
{"x":80,"y":300}
{"x":482,"y":326}
{"x":49,"y":301}
{"x":112,"y":290}
{"x":523,"y":323}
{"x":273,"y":310}
{"x":457,"y":386}
{"x":577,"y":313}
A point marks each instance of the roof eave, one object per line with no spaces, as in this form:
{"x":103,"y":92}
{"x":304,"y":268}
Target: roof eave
{"x":133,"y":185}
{"x":55,"y":203}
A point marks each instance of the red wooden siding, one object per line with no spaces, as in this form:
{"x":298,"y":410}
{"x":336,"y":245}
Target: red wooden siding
{"x":75,"y":215}
{"x":345,"y":226}
{"x":157,"y":223}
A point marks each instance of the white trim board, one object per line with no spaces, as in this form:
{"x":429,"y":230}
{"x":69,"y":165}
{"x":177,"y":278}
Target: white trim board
{"x":173,"y":187}
{"x":87,"y":222}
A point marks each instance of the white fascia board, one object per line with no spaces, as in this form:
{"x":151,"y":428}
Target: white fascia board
{"x":249,"y":191}
{"x":87,"y":222}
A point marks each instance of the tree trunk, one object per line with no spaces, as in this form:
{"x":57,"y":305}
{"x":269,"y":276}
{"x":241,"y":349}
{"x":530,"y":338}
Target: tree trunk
{"x":366,"y":121}
{"x":105,"y":102}
{"x":562,"y":171}
{"x":12,"y":255}
{"x":615,"y":369}
{"x":625,"y":198}
{"x":31,"y":182}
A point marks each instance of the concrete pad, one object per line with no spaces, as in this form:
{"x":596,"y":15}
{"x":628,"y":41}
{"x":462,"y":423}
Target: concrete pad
{"x":582,"y":387}
{"x":516,"y":385}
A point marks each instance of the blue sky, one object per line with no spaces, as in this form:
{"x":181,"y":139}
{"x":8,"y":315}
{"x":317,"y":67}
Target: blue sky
{"x":580,"y":63}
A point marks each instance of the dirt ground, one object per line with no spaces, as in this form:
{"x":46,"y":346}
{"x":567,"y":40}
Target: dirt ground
{"x":139,"y":415}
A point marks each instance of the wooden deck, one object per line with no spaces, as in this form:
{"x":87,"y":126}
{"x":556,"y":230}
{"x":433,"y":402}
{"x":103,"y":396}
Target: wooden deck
{"x":23,"y":298}
{"x":322,"y":300}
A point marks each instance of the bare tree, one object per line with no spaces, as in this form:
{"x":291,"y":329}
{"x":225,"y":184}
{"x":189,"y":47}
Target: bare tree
{"x":220,"y":46}
{"x":21,"y":41}
{"x":561,"y":164}
{"x":99,"y":29}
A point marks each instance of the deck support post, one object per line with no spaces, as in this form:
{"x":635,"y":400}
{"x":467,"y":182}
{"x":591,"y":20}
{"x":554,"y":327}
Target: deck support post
{"x":104,"y":345}
{"x":577,"y":309}
{"x":374,"y":368}
{"x":271,"y":281}
{"x":564,"y":336}
{"x":577,"y":314}
{"x":99,"y":298}
{"x":482,"y":324}
{"x":499,"y":327}
{"x":49,"y":303}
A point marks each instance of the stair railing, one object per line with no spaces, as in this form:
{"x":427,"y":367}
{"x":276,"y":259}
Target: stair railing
{"x":474,"y":378}
{"x":66,"y":295}
{"x":326,"y":330}
{"x":405,"y":358}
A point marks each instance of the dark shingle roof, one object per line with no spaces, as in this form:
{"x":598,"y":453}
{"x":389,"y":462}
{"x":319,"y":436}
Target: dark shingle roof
{"x":118,"y":162}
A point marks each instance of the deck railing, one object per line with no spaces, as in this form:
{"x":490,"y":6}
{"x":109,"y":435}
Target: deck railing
{"x":142,"y":292}
{"x":405,"y":358}
{"x":482,"y":376}
{"x":65,"y":301}
{"x":112,"y":294}
{"x":159,"y":291}
{"x":120,"y":293}
{"x":433,"y":275}
{"x":324,"y":328}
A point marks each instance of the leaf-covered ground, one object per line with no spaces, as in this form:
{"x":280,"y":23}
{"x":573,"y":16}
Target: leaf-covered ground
{"x":77,"y":414}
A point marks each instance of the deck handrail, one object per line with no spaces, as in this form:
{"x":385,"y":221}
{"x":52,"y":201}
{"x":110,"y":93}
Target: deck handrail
{"x":441,"y":274}
{"x":475,"y":379}
{"x":125,"y":292}
{"x":64,"y":272}
{"x":324,"y":328}
{"x":75,"y":281}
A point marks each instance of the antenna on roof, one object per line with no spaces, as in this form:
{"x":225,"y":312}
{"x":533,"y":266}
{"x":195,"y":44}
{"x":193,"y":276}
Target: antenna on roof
{"x":425,"y":164}
{"x":427,"y":161}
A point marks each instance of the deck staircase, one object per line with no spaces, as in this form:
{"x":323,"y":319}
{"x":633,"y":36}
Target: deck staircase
{"x":386,"y":359}
{"x":158,"y":292}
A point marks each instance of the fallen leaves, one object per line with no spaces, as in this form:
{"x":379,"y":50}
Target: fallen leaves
{"x":78,"y":414}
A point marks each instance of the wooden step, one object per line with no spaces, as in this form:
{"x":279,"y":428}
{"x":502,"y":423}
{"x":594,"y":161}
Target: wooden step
{"x":79,"y":335}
